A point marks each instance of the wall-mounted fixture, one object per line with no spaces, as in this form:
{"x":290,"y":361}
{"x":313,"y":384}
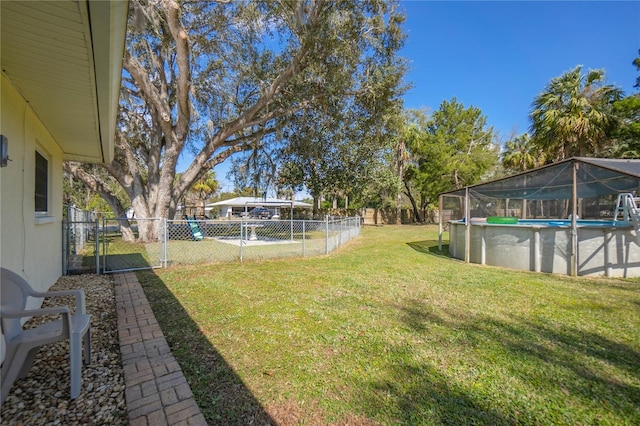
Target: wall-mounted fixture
{"x":4,"y":151}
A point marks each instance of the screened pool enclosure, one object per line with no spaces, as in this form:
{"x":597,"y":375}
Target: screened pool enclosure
{"x":576,"y":217}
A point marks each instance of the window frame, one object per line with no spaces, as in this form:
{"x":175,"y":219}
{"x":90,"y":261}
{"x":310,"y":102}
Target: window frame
{"x":41,"y":172}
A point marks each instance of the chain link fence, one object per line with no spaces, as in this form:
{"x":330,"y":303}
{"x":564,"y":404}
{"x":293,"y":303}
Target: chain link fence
{"x":210,"y":241}
{"x":79,"y":241}
{"x":121,"y":244}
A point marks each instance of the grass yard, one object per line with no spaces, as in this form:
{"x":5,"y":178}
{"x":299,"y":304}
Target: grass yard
{"x":188,"y":252}
{"x":387,"y":330}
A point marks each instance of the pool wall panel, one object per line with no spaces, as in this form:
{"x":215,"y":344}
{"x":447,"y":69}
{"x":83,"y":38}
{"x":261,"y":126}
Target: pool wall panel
{"x":606,"y":251}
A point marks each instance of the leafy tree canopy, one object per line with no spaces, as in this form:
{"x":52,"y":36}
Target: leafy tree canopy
{"x":217,"y":78}
{"x":627,"y":133}
{"x":573,"y":115}
{"x":449,"y":150}
{"x":521,"y":154}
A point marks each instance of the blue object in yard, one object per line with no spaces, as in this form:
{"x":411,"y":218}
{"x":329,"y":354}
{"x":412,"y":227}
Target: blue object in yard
{"x":196,"y":232}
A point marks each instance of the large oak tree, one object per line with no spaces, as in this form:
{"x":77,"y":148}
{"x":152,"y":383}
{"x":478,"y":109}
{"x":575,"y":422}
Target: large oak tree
{"x":206,"y":80}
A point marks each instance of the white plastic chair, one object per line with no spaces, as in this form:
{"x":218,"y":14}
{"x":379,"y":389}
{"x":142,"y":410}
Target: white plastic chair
{"x":22,"y":345}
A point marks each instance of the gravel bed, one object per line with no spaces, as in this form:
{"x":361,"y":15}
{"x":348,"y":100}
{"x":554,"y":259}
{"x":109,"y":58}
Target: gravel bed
{"x":42,"y":398}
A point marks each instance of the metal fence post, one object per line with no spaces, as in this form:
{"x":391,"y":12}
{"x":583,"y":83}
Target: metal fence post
{"x":291,"y":225}
{"x":97,"y":245}
{"x":166,"y":243}
{"x":104,"y":243}
{"x":326,"y":221}
{"x":303,"y":240}
{"x":65,"y":256}
{"x":241,"y":236}
{"x":348,"y":229}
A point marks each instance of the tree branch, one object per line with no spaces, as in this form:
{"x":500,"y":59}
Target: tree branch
{"x":96,"y":185}
{"x":183,"y":56}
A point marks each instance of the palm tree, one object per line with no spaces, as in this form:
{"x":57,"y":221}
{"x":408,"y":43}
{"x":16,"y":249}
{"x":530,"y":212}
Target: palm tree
{"x":571,"y":117}
{"x":206,"y":186}
{"x":202,"y":189}
{"x":521,"y":154}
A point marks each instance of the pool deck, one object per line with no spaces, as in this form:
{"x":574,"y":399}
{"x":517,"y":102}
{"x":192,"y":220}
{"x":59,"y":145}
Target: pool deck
{"x":157,"y":392}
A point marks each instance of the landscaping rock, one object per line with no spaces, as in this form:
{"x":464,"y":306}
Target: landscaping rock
{"x":42,"y":398}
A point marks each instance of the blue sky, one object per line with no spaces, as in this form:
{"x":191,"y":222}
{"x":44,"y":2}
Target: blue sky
{"x":498,"y":56}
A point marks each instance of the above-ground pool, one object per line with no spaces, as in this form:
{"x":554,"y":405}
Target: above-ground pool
{"x":605,"y":248}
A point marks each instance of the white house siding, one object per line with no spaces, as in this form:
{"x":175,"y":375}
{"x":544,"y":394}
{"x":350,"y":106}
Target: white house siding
{"x":61,"y":67}
{"x":29,"y":246}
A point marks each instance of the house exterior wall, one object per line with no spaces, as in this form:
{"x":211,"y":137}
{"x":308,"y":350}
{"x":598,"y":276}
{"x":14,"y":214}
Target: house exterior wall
{"x":42,"y":94}
{"x":30,"y":244}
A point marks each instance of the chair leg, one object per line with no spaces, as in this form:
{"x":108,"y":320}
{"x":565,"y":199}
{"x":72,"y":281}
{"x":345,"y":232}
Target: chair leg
{"x":75,"y":355}
{"x":87,"y":347}
{"x":9,"y":375}
{"x":12,"y":368}
{"x":8,"y":361}
{"x":28,"y":362}
{"x":7,"y":381}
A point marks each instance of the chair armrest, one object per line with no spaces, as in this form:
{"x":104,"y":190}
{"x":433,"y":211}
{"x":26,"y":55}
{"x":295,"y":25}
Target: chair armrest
{"x":34,"y":312}
{"x":78,"y":293}
{"x":64,"y":312}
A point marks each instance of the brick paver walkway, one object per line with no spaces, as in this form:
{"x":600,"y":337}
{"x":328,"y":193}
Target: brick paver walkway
{"x":156,"y":390}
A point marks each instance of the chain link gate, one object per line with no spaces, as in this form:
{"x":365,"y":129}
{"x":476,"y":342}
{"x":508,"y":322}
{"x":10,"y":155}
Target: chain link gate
{"x":131,"y":244}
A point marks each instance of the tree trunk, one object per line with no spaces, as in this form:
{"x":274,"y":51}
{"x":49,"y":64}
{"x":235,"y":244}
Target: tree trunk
{"x":316,"y":206}
{"x":423,"y":210}
{"x":416,"y":211}
{"x":148,"y":230}
{"x":400,"y":163}
{"x":92,"y":183}
{"x":126,"y":231}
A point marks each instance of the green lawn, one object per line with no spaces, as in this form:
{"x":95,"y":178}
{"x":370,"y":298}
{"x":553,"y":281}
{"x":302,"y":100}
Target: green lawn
{"x":387,"y":330}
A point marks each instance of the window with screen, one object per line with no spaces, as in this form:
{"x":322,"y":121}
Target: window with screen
{"x":42,"y":184}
